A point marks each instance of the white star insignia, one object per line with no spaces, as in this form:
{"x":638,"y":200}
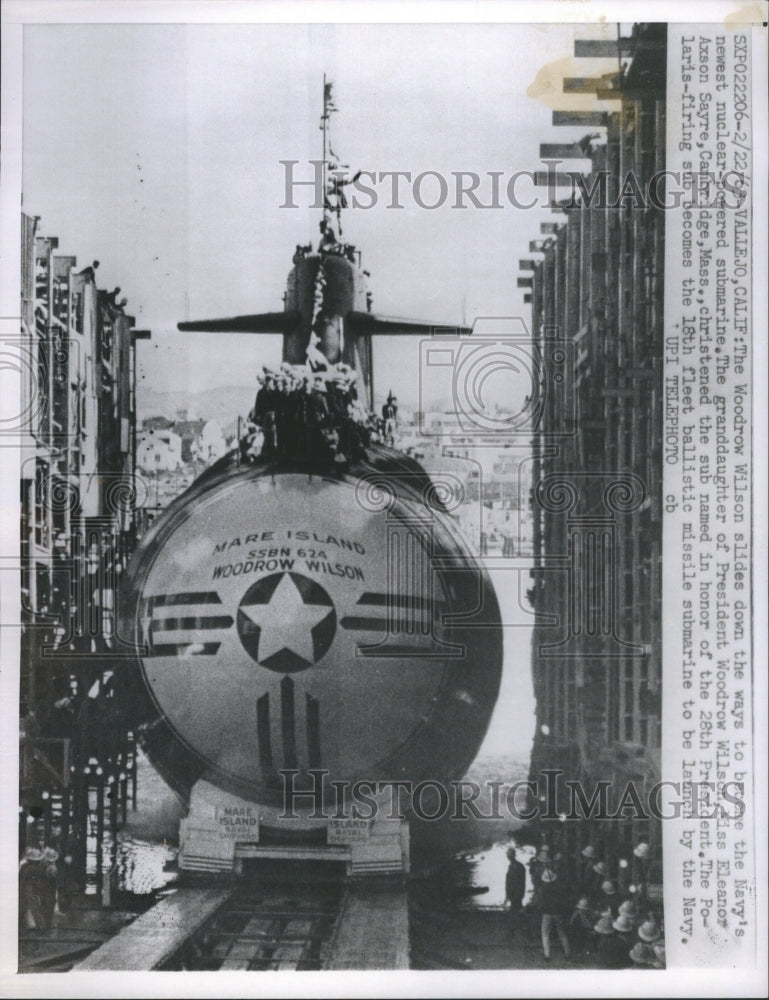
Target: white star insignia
{"x":286,"y":622}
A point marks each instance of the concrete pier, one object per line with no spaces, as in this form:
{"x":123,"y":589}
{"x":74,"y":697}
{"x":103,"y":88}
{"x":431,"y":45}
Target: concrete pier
{"x":373,"y":930}
{"x":158,"y":933}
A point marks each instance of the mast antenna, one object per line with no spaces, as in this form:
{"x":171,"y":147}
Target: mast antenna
{"x":334,"y":173}
{"x":324,"y":129}
{"x":329,"y":208}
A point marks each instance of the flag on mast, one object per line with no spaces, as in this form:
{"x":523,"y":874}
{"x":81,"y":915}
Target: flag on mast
{"x":328,"y":99}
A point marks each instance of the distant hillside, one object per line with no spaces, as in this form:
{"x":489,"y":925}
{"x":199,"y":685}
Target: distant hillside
{"x":224,"y":404}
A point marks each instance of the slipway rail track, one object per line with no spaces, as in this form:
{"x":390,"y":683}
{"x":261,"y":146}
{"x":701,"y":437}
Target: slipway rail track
{"x":276,"y":929}
{"x":287,"y":925}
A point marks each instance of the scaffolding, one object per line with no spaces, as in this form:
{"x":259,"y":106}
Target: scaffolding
{"x":596,"y":295}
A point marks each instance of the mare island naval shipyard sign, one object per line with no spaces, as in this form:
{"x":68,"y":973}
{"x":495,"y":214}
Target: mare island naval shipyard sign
{"x":396,"y":615}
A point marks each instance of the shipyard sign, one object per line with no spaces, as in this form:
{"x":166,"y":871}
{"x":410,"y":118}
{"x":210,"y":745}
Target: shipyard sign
{"x":238,"y":822}
{"x":348,"y":831}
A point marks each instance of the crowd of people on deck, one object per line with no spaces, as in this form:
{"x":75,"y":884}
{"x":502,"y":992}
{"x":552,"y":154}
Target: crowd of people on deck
{"x":314,"y":415}
{"x":595,"y":923}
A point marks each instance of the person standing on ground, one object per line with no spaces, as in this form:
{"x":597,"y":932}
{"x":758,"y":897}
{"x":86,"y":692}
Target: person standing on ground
{"x":608,"y":898}
{"x":580,"y":930}
{"x":641,"y":865}
{"x":624,"y":927}
{"x":594,"y":879}
{"x":537,"y":865}
{"x":30,"y":875}
{"x":553,"y":902}
{"x":611,"y":950}
{"x":47,"y":887}
{"x":585,"y":862}
{"x":515,"y":887}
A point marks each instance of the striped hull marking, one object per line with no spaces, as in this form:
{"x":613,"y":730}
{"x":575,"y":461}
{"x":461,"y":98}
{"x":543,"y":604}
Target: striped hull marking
{"x":399,"y":613}
{"x":289,"y":727}
{"x":179,"y":631}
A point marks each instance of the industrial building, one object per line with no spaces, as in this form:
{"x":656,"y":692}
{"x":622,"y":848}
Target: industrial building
{"x":78,"y":499}
{"x":596,"y":294}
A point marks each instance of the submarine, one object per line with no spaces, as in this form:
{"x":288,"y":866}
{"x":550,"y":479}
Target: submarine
{"x":296,"y":620}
